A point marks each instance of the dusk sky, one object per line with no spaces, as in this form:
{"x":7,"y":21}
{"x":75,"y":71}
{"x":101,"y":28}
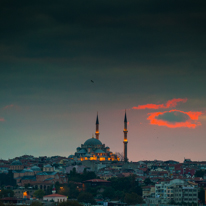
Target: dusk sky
{"x":145,"y":56}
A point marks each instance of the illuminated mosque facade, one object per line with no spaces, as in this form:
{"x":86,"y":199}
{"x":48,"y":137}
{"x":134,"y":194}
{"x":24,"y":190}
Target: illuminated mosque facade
{"x":93,"y":149}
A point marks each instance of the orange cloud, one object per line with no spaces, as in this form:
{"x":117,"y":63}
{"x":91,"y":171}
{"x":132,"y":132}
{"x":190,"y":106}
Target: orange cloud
{"x":190,"y":121}
{"x":2,"y":119}
{"x":8,"y":106}
{"x":169,"y":104}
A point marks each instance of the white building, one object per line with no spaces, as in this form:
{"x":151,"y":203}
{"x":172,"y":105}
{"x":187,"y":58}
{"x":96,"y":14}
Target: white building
{"x":161,"y":192}
{"x":55,"y":198}
{"x":186,"y":194}
{"x":177,"y":190}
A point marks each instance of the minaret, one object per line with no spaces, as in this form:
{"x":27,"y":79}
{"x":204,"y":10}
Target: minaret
{"x":53,"y":190}
{"x":125,"y":138}
{"x":97,"y":128}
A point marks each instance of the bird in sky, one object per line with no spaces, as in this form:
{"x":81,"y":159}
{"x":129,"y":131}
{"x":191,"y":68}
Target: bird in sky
{"x":92,"y":81}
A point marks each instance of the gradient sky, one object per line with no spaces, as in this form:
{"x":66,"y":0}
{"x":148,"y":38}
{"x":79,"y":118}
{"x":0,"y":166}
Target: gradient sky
{"x":136,"y":52}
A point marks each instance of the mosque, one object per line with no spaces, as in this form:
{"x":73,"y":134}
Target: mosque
{"x":93,"y":149}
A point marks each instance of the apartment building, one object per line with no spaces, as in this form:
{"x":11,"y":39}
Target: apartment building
{"x":177,"y":190}
{"x":187,"y":194}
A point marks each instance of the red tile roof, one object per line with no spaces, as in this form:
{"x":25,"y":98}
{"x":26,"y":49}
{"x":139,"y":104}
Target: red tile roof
{"x":96,"y":180}
{"x":143,"y":169}
{"x":55,"y":195}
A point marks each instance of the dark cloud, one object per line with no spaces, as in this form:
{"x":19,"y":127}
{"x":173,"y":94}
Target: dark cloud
{"x":129,"y":47}
{"x":101,"y":28}
{"x":174,"y":116}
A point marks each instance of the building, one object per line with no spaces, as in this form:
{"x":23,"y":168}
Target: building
{"x":187,"y":194}
{"x":55,"y":197}
{"x":40,"y":180}
{"x":16,"y":165}
{"x":148,"y":191}
{"x":22,"y":192}
{"x":13,"y":201}
{"x":161,"y":191}
{"x":96,"y":182}
{"x":178,"y":190}
{"x":48,"y":168}
{"x":93,"y":149}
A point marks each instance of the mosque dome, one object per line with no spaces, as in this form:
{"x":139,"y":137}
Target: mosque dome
{"x":16,"y":162}
{"x":71,"y":156}
{"x":35,"y":168}
{"x":93,"y":150}
{"x":82,"y":151}
{"x":27,"y":170}
{"x":92,"y":141}
{"x":48,"y":165}
{"x":99,"y":151}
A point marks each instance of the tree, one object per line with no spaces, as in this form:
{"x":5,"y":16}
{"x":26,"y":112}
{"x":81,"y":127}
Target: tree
{"x":120,"y":155}
{"x":119,"y":195}
{"x":126,"y":184}
{"x":88,"y":176}
{"x":57,"y":186}
{"x":138,"y":189}
{"x":48,"y":190}
{"x":70,"y":203}
{"x":133,"y":198}
{"x":122,"y":183}
{"x":199,"y":173}
{"x":64,"y":191}
{"x":7,"y":179}
{"x":73,"y":192}
{"x":201,"y":195}
{"x":36,"y":203}
{"x":147,"y":181}
{"x":109,"y":192}
{"x":27,"y":185}
{"x":39,"y":193}
{"x":6,"y":193}
{"x":76,"y":177}
{"x":92,"y":190}
{"x":86,"y":197}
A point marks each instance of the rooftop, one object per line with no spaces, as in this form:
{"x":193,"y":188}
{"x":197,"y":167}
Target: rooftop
{"x":96,"y":180}
{"x":92,"y":141}
{"x":55,"y":195}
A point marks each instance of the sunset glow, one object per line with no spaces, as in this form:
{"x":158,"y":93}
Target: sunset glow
{"x":190,"y":123}
{"x":169,"y":104}
{"x":8,"y":106}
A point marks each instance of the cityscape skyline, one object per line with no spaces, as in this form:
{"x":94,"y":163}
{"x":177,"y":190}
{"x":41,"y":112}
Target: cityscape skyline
{"x":62,"y":62}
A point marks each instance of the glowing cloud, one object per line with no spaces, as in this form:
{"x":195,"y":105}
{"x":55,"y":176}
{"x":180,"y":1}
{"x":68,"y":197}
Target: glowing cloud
{"x":8,"y":106}
{"x":175,"y":118}
{"x":203,"y":117}
{"x":2,"y":119}
{"x":169,"y":104}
